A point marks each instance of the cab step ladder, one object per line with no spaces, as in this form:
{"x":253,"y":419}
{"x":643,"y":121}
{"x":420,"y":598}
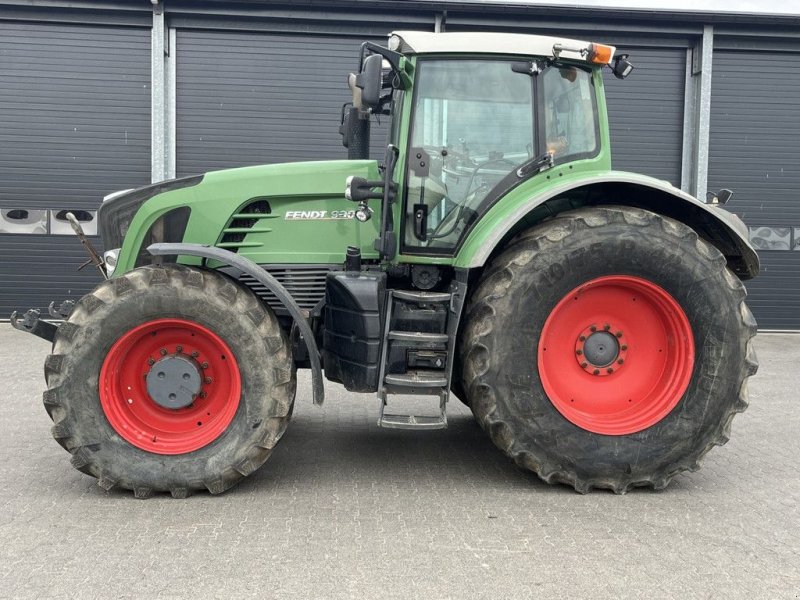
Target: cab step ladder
{"x":420,"y":382}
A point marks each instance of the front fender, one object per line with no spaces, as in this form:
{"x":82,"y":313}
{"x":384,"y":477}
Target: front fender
{"x":527,"y":204}
{"x":273,"y":285}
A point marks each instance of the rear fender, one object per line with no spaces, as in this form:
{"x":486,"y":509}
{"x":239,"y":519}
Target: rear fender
{"x":514,"y":213}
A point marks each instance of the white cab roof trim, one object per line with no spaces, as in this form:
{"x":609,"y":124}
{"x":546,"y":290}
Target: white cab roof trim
{"x":425,"y":42}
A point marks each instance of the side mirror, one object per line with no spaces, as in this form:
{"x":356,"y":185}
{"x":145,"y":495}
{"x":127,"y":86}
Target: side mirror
{"x":369,"y":81}
{"x":622,"y":66}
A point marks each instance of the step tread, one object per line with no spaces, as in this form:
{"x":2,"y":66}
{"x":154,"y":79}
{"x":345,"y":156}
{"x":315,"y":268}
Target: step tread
{"x":418,"y":296}
{"x":418,"y":336}
{"x":392,"y":421}
{"x":416,"y":379}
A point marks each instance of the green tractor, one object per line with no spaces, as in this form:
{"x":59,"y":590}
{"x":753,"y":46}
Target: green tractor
{"x":593,"y":320}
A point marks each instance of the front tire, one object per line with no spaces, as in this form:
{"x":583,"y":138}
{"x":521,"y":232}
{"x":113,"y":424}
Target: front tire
{"x":169,"y":379}
{"x":608,"y":347}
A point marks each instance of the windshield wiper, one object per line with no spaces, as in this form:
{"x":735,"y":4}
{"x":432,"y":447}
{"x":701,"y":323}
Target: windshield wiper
{"x":535,"y":165}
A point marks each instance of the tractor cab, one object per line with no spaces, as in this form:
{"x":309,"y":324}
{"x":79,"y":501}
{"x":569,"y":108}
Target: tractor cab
{"x":469,"y":126}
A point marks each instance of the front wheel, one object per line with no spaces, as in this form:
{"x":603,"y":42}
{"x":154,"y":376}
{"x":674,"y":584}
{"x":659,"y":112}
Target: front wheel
{"x":169,"y":379}
{"x":608,"y":347}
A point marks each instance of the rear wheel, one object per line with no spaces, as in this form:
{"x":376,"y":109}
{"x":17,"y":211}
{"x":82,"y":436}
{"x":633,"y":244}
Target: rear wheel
{"x":608,"y":347}
{"x":169,"y":379}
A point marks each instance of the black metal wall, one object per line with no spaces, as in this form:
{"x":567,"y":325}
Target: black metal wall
{"x":266,"y":85}
{"x":254,"y":98}
{"x":74,"y":126}
{"x":755,"y":151}
{"x":645,"y":113}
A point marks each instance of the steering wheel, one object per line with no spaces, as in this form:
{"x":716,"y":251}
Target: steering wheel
{"x":448,"y":225}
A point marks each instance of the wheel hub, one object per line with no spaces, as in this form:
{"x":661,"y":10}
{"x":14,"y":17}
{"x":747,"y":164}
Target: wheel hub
{"x":174,"y":381}
{"x":600,"y":350}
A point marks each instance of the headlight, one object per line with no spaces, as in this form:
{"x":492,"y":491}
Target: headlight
{"x":115,"y":216}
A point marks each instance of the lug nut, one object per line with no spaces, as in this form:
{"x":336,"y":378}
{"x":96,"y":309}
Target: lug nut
{"x":596,"y":372}
{"x":593,"y":328}
{"x":178,"y":348}
{"x":607,"y":327}
{"x":620,"y":361}
{"x":207,"y":380}
{"x":619,"y":334}
{"x":163,"y":351}
{"x":582,"y":338}
{"x":203,"y":394}
{"x":195,"y":354}
{"x":609,"y":370}
{"x":151,"y":362}
{"x":578,"y":352}
{"x":584,"y":365}
{"x":204,"y":365}
{"x":624,"y":347}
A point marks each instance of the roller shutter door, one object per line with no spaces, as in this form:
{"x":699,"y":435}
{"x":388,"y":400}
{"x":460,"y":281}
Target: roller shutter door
{"x":75,"y":115}
{"x":258,"y":98}
{"x":755,"y":151}
{"x":646,"y":113}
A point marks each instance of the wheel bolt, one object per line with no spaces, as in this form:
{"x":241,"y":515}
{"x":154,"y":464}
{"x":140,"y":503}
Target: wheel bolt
{"x":607,"y":327}
{"x":619,"y":334}
{"x":151,"y":362}
{"x":582,"y":338}
{"x":609,"y":370}
{"x":163,"y":351}
{"x":204,"y":365}
{"x":593,"y":328}
{"x":584,"y":365}
{"x":624,"y":347}
{"x":195,"y":354}
{"x":596,"y":372}
{"x":620,"y":361}
{"x":578,"y":352}
{"x":207,"y":380}
{"x":178,"y":348}
{"x":203,"y":394}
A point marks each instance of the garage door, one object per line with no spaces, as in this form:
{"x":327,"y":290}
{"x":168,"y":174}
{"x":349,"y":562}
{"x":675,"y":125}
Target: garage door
{"x":646,"y":113}
{"x":755,"y":151}
{"x":75,"y":115}
{"x":256,"y":98}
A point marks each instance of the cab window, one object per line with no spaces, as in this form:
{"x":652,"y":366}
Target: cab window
{"x":472,"y":124}
{"x":569,"y":113}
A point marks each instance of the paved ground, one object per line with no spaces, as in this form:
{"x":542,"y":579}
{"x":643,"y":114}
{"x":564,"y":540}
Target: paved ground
{"x":346,"y":510}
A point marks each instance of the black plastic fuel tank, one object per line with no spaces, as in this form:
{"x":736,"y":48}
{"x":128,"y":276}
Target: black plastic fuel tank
{"x":353,"y":328}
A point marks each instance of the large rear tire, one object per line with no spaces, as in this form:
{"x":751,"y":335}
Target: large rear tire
{"x":169,"y":379}
{"x":608,"y":347}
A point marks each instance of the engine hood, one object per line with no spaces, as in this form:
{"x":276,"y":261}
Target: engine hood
{"x":297,"y":179}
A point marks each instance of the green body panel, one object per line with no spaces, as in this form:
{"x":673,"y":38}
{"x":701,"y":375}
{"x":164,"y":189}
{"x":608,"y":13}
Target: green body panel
{"x":307,"y":186}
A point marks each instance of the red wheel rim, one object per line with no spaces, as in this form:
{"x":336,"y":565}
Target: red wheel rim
{"x":135,"y":415}
{"x":647,"y":335}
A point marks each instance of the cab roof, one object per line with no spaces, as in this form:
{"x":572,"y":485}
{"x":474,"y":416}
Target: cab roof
{"x":425,"y":42}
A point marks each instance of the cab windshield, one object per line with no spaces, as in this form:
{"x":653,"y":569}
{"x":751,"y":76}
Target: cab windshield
{"x":473,"y":123}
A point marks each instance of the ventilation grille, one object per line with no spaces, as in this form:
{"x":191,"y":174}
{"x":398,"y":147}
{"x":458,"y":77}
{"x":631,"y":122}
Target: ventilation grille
{"x":250,"y":219}
{"x":305,"y":283}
